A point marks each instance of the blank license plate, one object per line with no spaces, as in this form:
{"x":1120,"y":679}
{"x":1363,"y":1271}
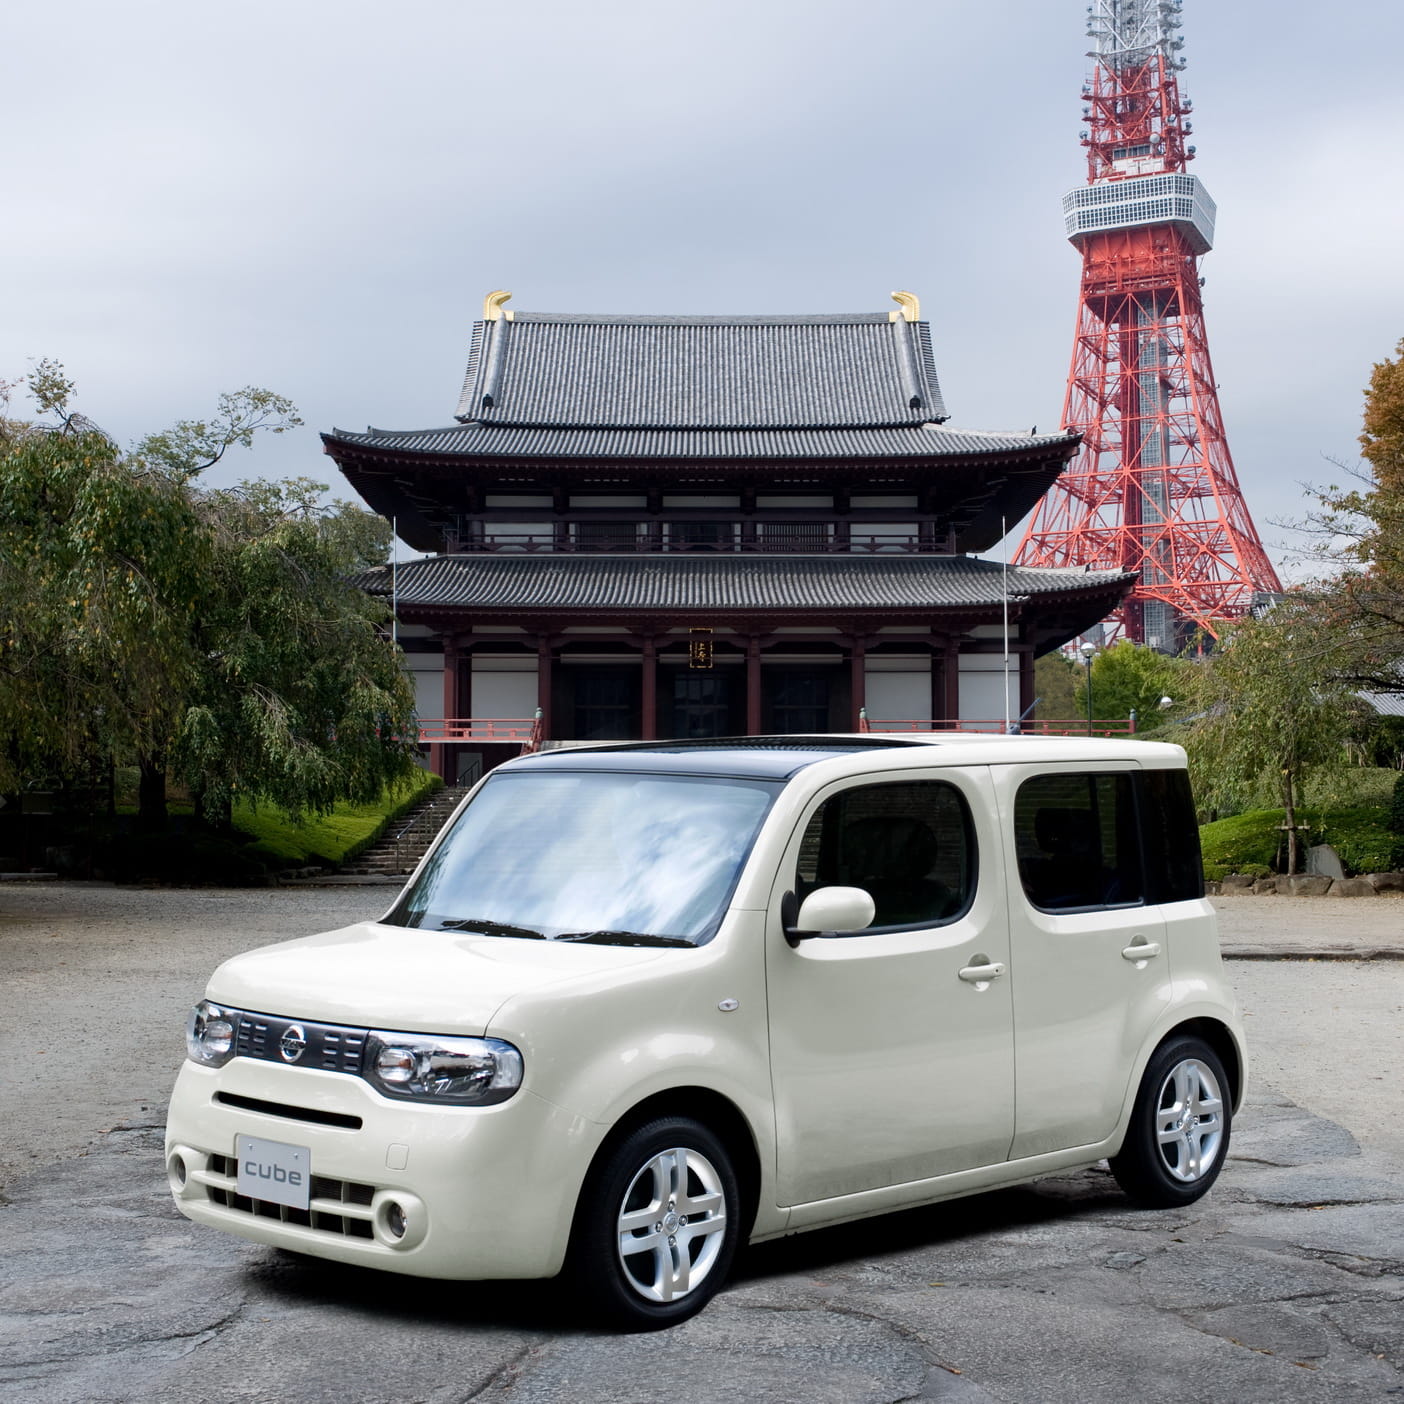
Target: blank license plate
{"x":274,"y":1171}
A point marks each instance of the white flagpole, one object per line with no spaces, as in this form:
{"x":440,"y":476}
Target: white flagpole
{"x":394,"y":580}
{"x":1004,"y":527}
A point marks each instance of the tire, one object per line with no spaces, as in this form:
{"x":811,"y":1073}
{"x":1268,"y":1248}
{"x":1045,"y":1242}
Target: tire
{"x":656,"y":1227}
{"x":1178,"y":1138}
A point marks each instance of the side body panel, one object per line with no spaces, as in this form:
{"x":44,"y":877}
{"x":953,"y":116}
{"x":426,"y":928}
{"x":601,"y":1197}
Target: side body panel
{"x":887,"y":1066}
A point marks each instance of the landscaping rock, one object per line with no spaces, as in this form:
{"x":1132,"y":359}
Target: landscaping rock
{"x":1310,"y":885}
{"x":1386,"y":882}
{"x":1352,"y":887}
{"x":1323,"y":859}
{"x":1268,"y":886}
{"x":1212,"y":889}
{"x":1239,"y":883}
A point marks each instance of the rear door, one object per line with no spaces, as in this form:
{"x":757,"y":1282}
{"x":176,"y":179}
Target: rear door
{"x":1088,"y":950}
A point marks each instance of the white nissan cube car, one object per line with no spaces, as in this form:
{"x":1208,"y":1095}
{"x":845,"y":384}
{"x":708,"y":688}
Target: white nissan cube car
{"x":643,"y":1002}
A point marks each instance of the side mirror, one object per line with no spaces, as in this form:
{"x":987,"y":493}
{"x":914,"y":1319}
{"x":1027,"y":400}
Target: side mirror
{"x":829,"y":911}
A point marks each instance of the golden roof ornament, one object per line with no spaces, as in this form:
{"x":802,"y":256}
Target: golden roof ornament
{"x":492,"y":306}
{"x":909,"y":307}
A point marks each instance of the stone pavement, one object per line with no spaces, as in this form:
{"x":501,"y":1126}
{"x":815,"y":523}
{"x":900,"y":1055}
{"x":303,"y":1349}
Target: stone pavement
{"x":1285,"y":1284}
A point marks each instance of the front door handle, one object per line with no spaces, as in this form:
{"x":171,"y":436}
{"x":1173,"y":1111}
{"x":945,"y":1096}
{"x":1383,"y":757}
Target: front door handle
{"x":1141,"y":950}
{"x":982,"y":974}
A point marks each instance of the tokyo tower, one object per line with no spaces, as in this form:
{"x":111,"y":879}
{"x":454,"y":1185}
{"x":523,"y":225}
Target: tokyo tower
{"x":1153,"y":488}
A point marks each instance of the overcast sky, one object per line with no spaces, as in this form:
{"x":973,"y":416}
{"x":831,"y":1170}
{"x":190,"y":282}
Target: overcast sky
{"x":314,"y":196}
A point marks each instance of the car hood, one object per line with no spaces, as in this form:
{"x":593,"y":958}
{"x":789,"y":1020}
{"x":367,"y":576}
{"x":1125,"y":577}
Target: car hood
{"x":402,"y":978}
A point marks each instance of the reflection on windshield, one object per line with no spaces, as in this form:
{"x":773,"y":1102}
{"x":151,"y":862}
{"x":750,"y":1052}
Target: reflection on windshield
{"x":619,"y":859}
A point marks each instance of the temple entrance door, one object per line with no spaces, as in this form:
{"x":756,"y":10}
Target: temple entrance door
{"x":798,"y":700}
{"x":606,"y":703}
{"x":703,"y":704}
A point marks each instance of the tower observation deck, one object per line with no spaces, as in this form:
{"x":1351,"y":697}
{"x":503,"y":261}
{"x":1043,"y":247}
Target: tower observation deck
{"x":1153,"y":488}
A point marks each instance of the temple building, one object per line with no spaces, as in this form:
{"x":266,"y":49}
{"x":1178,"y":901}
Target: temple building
{"x":652,"y":527}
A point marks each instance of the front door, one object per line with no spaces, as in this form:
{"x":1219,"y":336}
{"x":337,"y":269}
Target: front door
{"x":798,"y":700}
{"x":891,"y":1062}
{"x":606,"y":703}
{"x":703,"y":703}
{"x":1091,"y":965}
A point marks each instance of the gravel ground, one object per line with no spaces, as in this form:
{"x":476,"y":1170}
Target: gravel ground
{"x":97,"y":983}
{"x":98,"y":980}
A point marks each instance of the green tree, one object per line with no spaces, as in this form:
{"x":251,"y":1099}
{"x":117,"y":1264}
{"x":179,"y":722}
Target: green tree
{"x":1272,"y":709}
{"x":1130,"y":677}
{"x":1363,"y":534}
{"x":1055,"y":686}
{"x":300,"y":698}
{"x":218,"y":633}
{"x":97,"y":584}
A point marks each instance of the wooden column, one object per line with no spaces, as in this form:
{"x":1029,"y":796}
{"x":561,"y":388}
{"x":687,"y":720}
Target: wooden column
{"x":857,"y":664}
{"x":441,"y":755}
{"x":1026,"y":678}
{"x":753,"y":686}
{"x":648,"y":692}
{"x":951,"y":710}
{"x":543,"y":684}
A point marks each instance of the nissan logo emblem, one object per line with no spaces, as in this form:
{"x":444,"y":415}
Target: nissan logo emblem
{"x":293,"y":1043}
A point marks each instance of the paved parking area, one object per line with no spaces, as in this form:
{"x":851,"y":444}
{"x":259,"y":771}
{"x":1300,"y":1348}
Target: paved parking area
{"x":1286,"y":1283}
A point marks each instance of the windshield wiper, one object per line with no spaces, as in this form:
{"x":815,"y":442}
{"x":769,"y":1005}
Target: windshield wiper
{"x":621,"y":938}
{"x":481,"y":927}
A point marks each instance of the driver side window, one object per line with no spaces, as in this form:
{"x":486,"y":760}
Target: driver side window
{"x":910,"y":846}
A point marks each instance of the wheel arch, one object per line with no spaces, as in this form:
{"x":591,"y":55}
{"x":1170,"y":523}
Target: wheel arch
{"x":1220,"y":1038}
{"x":713,"y":1110}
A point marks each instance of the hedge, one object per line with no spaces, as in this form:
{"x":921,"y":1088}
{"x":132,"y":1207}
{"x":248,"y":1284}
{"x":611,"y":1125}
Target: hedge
{"x":1253,"y":842}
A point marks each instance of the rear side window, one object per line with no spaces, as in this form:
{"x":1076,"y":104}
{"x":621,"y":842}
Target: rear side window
{"x":1174,"y":868}
{"x":1077,"y":842}
{"x":910,"y":846}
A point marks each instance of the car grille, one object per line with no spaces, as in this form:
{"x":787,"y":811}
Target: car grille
{"x":328,"y":1047}
{"x":341,"y":1208}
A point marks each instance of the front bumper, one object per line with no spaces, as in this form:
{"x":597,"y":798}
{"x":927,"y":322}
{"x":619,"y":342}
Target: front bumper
{"x":485,"y":1192}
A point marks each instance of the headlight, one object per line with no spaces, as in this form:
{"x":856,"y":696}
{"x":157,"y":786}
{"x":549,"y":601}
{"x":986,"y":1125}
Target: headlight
{"x":456,"y":1071}
{"x":209,"y":1034}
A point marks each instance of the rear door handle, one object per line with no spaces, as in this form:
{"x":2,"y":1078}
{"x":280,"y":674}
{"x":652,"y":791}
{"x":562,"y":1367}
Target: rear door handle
{"x":982,"y":974}
{"x":1143,"y":950}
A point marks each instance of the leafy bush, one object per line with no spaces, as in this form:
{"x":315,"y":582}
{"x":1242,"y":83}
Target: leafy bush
{"x":1396,"y":806}
{"x":1252,"y":842}
{"x":331,"y":839}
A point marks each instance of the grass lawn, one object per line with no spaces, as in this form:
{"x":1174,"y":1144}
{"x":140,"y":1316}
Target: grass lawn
{"x":333,"y":838}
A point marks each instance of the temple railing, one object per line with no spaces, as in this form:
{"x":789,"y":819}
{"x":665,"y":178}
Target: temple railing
{"x":436,"y":731}
{"x":802,"y":541}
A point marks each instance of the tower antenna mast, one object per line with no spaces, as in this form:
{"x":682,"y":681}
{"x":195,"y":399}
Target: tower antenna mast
{"x":1153,"y":488}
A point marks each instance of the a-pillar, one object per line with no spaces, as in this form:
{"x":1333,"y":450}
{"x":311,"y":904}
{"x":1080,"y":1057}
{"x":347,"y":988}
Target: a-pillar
{"x":857,"y":662}
{"x":753,"y":686}
{"x":543,"y":684}
{"x":648,"y":693}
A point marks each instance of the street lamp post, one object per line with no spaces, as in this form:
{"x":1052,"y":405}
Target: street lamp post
{"x":1089,"y":652}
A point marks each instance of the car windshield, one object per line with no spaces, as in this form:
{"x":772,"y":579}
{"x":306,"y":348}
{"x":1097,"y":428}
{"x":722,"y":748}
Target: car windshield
{"x":604,"y":857}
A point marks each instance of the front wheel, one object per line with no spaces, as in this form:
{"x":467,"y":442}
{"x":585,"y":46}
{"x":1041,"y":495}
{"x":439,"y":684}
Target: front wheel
{"x":1178,"y":1138}
{"x":657,"y":1226}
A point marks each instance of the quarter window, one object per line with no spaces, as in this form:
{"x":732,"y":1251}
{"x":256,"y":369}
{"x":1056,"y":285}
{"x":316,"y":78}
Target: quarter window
{"x":911,"y":847}
{"x":1077,"y":843}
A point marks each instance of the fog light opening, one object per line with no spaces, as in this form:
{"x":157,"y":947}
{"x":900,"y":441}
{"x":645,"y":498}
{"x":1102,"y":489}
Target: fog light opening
{"x":178,"y":1170}
{"x":394,"y":1220}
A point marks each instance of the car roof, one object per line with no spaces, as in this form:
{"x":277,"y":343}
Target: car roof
{"x":783,"y":757}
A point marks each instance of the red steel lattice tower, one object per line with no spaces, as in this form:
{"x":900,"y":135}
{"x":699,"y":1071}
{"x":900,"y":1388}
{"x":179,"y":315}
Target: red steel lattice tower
{"x":1153,"y":488}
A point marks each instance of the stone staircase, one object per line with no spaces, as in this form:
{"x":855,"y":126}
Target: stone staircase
{"x":403,"y":844}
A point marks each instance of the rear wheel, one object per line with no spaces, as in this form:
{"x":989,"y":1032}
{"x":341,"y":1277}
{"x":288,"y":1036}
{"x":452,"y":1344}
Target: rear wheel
{"x":1178,"y":1138}
{"x":657,"y":1225}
